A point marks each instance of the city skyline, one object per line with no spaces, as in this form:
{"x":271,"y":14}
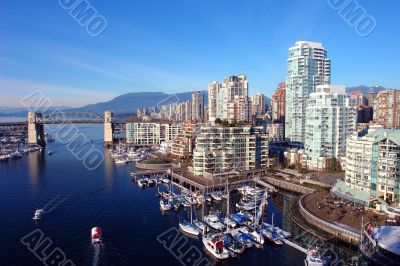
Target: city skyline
{"x":144,"y":52}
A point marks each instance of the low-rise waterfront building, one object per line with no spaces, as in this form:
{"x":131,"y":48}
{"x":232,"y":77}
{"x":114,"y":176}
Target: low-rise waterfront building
{"x":147,"y":134}
{"x":183,"y":145}
{"x":222,"y":150}
{"x":296,"y":158}
{"x":373,"y":169}
{"x":373,"y":163}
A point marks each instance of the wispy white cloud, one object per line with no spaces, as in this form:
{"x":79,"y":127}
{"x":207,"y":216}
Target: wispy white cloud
{"x":90,"y":67}
{"x":13,"y":90}
{"x":134,"y":74}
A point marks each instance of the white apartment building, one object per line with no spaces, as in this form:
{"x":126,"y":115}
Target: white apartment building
{"x":223,"y":150}
{"x":373,"y":165}
{"x":308,"y":66}
{"x":229,"y":100}
{"x":147,"y":134}
{"x":331,"y":117}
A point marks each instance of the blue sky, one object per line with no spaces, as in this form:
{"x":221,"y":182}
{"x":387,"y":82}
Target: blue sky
{"x":183,"y":45}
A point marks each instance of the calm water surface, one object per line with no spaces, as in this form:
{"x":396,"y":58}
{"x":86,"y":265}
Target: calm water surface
{"x":78,"y":199}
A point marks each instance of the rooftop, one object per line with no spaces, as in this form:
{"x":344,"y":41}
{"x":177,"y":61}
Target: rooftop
{"x":389,"y":238}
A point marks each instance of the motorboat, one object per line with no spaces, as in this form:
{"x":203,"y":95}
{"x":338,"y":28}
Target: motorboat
{"x":232,"y":244}
{"x":184,"y":202}
{"x":230,"y":222}
{"x":215,"y":245}
{"x":49,"y":152}
{"x":216,"y":196}
{"x":4,"y":157}
{"x":313,"y":258}
{"x":244,"y":239}
{"x":120,"y":160}
{"x":189,"y":228}
{"x":97,"y":235}
{"x":202,"y":226}
{"x":200,"y":199}
{"x":177,"y":204}
{"x":207,"y":197}
{"x":191,"y":199}
{"x":165,"y":205}
{"x":282,"y":232}
{"x":214,"y":222}
{"x":253,"y":234}
{"x":151,"y":181}
{"x":166,"y":194}
{"x":38,"y":214}
{"x":165,"y":180}
{"x":16,"y":154}
{"x":271,"y":236}
{"x":142,"y":182}
{"x":245,"y":207}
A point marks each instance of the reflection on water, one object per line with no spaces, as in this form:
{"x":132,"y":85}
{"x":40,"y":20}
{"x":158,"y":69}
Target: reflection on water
{"x":108,"y":167}
{"x":35,"y":160}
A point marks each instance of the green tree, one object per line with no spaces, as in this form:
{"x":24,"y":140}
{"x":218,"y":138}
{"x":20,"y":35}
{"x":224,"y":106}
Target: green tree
{"x":218,"y":121}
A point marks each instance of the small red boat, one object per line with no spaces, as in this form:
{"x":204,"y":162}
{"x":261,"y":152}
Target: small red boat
{"x":97,"y":235}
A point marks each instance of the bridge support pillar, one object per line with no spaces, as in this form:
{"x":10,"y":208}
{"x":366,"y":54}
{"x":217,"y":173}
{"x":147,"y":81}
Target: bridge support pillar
{"x":36,"y":134}
{"x":108,"y":128}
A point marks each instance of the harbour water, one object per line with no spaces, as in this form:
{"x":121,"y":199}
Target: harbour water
{"x":77,"y":199}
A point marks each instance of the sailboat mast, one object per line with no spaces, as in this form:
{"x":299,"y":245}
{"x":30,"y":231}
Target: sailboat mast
{"x":227,"y":201}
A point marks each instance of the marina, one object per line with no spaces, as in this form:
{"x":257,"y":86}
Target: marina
{"x":245,"y":227}
{"x":108,"y":198}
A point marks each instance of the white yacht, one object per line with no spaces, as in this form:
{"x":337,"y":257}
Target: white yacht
{"x":313,"y":258}
{"x":120,"y":160}
{"x":38,"y":214}
{"x":165,"y":205}
{"x":216,"y":196}
{"x":142,"y":182}
{"x":213,"y":221}
{"x":215,"y":245}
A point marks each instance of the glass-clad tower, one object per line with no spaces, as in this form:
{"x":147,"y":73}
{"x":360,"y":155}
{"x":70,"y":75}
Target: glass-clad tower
{"x":308,"y":66}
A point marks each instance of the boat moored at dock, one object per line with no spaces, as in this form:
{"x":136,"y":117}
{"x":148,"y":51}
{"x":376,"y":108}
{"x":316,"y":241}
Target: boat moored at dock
{"x":215,"y":246}
{"x":313,"y":258}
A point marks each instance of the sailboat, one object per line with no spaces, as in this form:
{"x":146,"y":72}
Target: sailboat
{"x":230,"y":223}
{"x":189,"y":227}
{"x":269,"y":232}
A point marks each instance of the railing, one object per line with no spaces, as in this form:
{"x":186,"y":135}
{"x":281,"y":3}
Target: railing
{"x":327,"y":224}
{"x":287,"y":185}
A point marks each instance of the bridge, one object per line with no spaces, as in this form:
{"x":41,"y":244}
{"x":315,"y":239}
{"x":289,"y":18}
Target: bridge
{"x":34,"y":126}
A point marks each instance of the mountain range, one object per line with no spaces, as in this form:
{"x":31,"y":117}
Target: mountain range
{"x":364,"y":89}
{"x":128,"y":103}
